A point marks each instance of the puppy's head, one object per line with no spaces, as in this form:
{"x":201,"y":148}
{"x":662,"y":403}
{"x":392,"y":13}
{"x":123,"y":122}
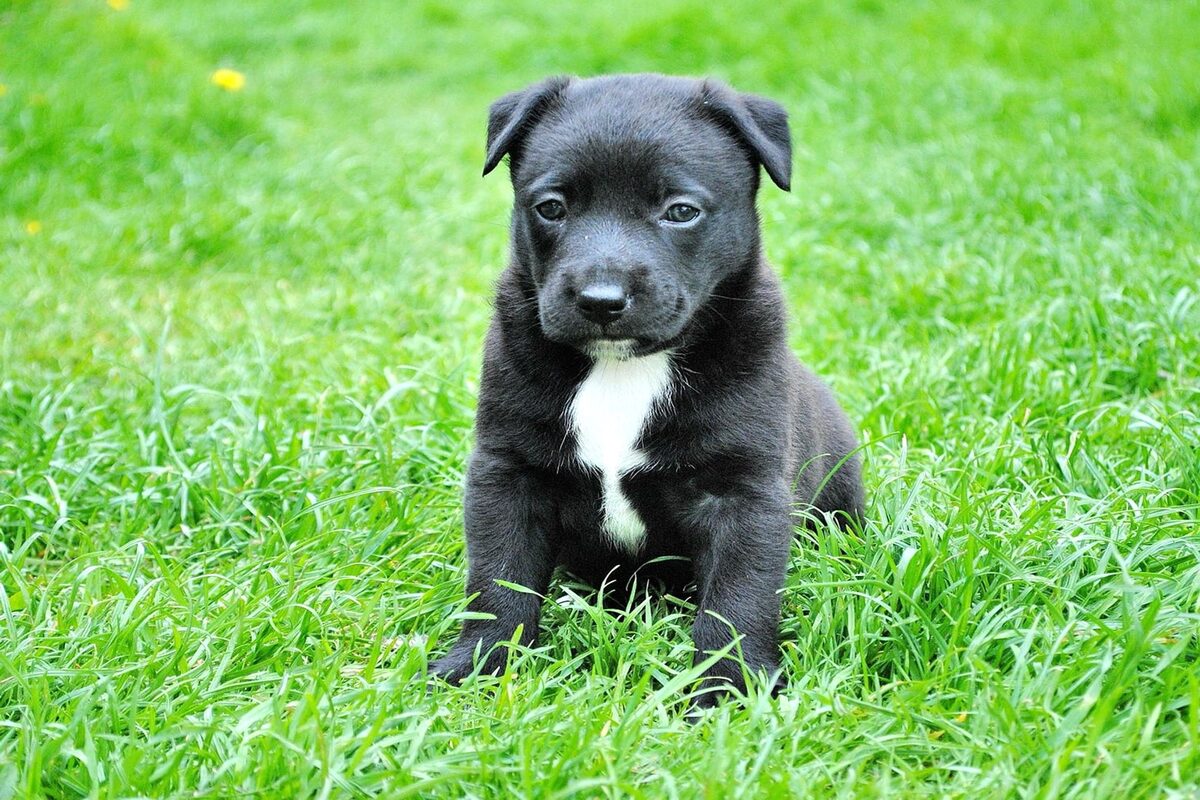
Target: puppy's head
{"x":634,"y":198}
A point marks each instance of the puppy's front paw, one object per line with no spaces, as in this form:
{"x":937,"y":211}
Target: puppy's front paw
{"x":725,"y":680}
{"x":458,"y":664}
{"x":705,"y":700}
{"x":453,"y":667}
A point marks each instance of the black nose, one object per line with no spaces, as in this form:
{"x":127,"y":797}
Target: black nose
{"x":602,"y":302}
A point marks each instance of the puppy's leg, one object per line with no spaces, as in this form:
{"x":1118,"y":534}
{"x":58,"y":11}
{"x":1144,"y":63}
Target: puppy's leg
{"x":741,"y":549}
{"x":510,"y":534}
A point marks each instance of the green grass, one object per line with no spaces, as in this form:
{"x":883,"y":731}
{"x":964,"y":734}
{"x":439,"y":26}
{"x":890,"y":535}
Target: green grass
{"x":238,"y":363}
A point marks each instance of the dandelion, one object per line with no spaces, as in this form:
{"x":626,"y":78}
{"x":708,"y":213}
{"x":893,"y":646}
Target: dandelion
{"x":33,"y":227}
{"x":3,"y":90}
{"x":229,"y":79}
{"x":118,"y":5}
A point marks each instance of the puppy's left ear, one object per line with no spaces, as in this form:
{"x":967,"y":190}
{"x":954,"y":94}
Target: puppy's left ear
{"x":511,"y":117}
{"x":762,"y":125}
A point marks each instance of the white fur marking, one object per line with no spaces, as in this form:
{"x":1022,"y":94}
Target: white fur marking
{"x":608,"y":413}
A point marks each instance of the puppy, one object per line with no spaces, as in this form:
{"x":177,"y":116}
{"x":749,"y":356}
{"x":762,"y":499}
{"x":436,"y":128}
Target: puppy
{"x":638,"y":396}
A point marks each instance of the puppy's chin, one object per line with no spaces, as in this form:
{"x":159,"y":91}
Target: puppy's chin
{"x":608,"y":348}
{"x":611,"y":349}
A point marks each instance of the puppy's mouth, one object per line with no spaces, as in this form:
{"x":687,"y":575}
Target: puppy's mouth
{"x":620,"y":339}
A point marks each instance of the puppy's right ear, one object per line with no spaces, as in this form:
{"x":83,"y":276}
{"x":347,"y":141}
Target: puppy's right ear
{"x":511,"y":117}
{"x":760,"y":123}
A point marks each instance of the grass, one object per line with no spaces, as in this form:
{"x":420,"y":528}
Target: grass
{"x":239,"y":352}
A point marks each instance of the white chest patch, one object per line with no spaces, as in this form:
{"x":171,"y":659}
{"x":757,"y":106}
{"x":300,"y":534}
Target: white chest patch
{"x":608,"y":413}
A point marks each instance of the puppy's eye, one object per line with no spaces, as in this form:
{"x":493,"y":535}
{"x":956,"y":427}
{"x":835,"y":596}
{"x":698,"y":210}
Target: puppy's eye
{"x":551,"y":210}
{"x":681,"y":212}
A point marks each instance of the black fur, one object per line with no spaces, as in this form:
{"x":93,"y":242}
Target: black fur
{"x":748,"y":435}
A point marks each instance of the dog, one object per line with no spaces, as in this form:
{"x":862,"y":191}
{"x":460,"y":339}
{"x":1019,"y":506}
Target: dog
{"x":638,"y":400}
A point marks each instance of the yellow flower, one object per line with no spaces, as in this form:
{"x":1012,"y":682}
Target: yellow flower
{"x":3,"y":90}
{"x":118,"y":5}
{"x":33,"y":227}
{"x":229,"y":79}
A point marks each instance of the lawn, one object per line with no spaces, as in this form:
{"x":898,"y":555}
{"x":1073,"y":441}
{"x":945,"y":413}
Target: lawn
{"x":240,"y":332}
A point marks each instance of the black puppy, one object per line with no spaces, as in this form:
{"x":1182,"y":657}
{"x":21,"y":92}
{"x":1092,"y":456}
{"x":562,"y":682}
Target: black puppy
{"x":638,"y":397}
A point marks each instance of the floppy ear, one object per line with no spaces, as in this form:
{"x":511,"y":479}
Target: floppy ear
{"x":761,"y":124}
{"x":510,"y":117}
